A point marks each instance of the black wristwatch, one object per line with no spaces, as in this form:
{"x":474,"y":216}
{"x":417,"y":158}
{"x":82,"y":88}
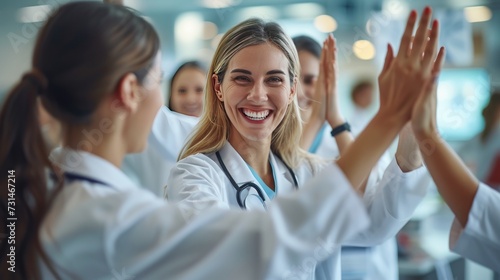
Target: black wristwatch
{"x":341,"y":128}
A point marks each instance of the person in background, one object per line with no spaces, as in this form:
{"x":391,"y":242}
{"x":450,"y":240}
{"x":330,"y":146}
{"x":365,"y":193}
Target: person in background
{"x":367,"y":263}
{"x":482,"y":153}
{"x":309,"y":52}
{"x":245,"y":151}
{"x":475,"y":231}
{"x":362,"y":97}
{"x":187,"y":89}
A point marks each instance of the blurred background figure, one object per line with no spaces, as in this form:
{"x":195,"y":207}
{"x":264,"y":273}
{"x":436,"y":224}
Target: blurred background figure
{"x":482,"y":153}
{"x":362,"y":96}
{"x":187,"y":89}
{"x":309,"y":52}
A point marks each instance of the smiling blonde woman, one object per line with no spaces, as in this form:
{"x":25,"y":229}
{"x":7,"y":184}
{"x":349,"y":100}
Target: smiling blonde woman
{"x":245,"y":150}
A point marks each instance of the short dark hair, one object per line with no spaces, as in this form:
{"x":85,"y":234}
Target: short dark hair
{"x":358,"y":86}
{"x":308,"y":44}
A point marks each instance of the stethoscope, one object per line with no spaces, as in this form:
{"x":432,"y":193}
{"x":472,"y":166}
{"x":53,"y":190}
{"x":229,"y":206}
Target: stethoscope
{"x":250,"y":185}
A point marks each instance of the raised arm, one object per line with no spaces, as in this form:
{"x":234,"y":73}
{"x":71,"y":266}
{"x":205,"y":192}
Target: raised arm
{"x":403,"y":80}
{"x":317,"y":116}
{"x":454,"y":181}
{"x":333,"y":114}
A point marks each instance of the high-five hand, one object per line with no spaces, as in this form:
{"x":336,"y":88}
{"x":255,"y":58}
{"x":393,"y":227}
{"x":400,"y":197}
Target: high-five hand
{"x":407,"y":76}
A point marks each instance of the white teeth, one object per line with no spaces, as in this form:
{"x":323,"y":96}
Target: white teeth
{"x":256,"y":116}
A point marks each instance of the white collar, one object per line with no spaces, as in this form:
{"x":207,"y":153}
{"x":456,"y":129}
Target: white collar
{"x":91,"y":166}
{"x":238,"y":168}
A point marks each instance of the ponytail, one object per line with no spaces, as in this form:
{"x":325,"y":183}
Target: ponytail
{"x":76,"y":64}
{"x":23,"y":165}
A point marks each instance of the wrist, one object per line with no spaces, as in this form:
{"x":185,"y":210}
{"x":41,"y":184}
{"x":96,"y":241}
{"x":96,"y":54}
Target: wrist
{"x":389,"y":122}
{"x":425,"y":134}
{"x":344,"y":127}
{"x":427,"y":145}
{"x":335,"y":120}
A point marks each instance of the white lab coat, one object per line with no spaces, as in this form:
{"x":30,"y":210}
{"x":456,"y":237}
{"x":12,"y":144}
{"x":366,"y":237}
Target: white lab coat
{"x":479,"y":241}
{"x":151,"y":168}
{"x":200,"y":183}
{"x":380,"y":261}
{"x":117,"y":230}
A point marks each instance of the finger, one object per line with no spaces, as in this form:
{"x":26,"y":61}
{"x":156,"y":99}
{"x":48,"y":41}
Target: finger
{"x":389,"y":56}
{"x":331,"y":51}
{"x":325,"y":56}
{"x":334,"y":49}
{"x":330,"y":67}
{"x":431,"y":48}
{"x":406,"y":38}
{"x":427,"y":42}
{"x":438,"y":64}
{"x":322,"y":63}
{"x":329,"y":47}
{"x":421,"y":35}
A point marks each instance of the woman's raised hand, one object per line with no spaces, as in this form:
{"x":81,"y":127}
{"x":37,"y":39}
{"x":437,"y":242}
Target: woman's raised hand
{"x":423,"y":118}
{"x":330,"y":68}
{"x":409,"y":75}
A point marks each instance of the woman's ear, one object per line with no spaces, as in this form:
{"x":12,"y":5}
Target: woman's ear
{"x":127,"y":95}
{"x":217,"y":86}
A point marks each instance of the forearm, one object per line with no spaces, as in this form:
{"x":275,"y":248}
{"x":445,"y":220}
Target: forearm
{"x":344,"y":140}
{"x":310,"y":129}
{"x":364,"y":152}
{"x":454,"y":181}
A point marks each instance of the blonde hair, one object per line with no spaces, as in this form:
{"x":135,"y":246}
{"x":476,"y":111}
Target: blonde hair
{"x":213,"y":129}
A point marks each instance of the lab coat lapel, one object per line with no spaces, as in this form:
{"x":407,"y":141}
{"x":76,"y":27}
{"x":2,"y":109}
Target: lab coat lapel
{"x":236,"y":166}
{"x":284,"y":180}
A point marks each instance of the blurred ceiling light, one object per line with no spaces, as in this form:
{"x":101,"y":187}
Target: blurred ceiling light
{"x":364,"y":49}
{"x":396,"y":8}
{"x":304,"y":10}
{"x":216,"y":40}
{"x":217,"y":4}
{"x":33,"y":13}
{"x":188,"y":27}
{"x":209,"y":30}
{"x":265,"y":12}
{"x":325,"y":23}
{"x":477,"y":14}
